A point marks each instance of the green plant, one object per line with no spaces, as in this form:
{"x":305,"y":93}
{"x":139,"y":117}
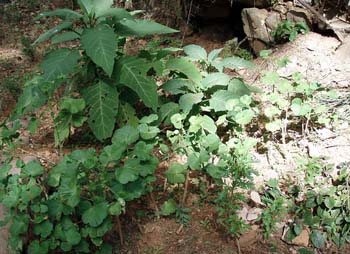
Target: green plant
{"x":73,"y":206}
{"x":96,"y":67}
{"x":274,"y":212}
{"x":287,"y":30}
{"x":323,"y":206}
{"x":28,"y":50}
{"x":292,"y":103}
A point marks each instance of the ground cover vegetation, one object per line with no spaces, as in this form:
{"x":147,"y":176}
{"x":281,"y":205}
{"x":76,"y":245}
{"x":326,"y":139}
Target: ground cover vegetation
{"x":173,"y":100}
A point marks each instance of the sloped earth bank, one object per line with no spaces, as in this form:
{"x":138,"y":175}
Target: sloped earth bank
{"x":318,"y":58}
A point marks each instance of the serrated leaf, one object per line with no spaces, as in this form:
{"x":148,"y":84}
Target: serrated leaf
{"x":115,"y":209}
{"x":103,"y":100}
{"x":35,"y":247}
{"x":132,"y":74}
{"x":168,"y":208}
{"x":48,"y":34}
{"x":59,"y":62}
{"x":236,"y":63}
{"x":100,"y":44}
{"x":215,"y":79}
{"x":187,"y":101}
{"x":95,"y":215}
{"x":61,"y":13}
{"x":126,"y":135}
{"x":64,"y":37}
{"x":140,"y":27}
{"x":176,"y":173}
{"x":195,"y":52}
{"x":185,"y":66}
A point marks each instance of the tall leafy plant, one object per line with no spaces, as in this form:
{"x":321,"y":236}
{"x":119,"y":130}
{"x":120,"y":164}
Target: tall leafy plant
{"x":96,"y":74}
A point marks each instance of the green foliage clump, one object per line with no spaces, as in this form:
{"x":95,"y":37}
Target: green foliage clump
{"x":288,"y":31}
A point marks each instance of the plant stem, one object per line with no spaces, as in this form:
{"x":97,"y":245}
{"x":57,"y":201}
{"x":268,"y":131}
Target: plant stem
{"x":186,"y":188}
{"x":120,"y":232}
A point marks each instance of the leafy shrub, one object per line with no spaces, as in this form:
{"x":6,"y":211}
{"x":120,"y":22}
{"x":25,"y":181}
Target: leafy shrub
{"x":288,"y":30}
{"x":73,"y":206}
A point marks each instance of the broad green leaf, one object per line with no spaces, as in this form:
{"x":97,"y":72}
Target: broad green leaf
{"x":127,"y":27}
{"x":317,"y":239}
{"x":274,"y":125}
{"x":129,"y":173}
{"x":33,"y":168}
{"x":73,"y":106}
{"x":236,"y":63}
{"x":95,"y":7}
{"x":32,"y":98}
{"x":4,"y":170}
{"x":101,"y":6}
{"x":95,"y":215}
{"x":47,"y":35}
{"x":168,"y":208}
{"x":103,"y":101}
{"x":244,"y":117}
{"x":219,"y":99}
{"x":64,"y":37}
{"x":36,"y":247}
{"x":271,"y":111}
{"x":299,"y":108}
{"x":187,"y":101}
{"x":215,"y":79}
{"x":112,"y":153}
{"x":270,"y":78}
{"x":185,"y":66}
{"x":178,"y":86}
{"x":86,"y":6}
{"x":132,"y":74}
{"x":195,"y":52}
{"x":149,"y":119}
{"x":202,"y":122}
{"x":61,"y":13}
{"x":148,"y":132}
{"x":167,"y":110}
{"x":215,"y":171}
{"x":87,"y":157}
{"x":211,"y":142}
{"x":59,"y":62}
{"x":115,"y":209}
{"x":177,"y":119}
{"x":126,"y":135}
{"x":265,"y":53}
{"x":43,"y":229}
{"x":176,"y":173}
{"x":214,"y":54}
{"x":116,"y":13}
{"x":100,"y":44}
{"x":73,"y":236}
{"x":238,"y":87}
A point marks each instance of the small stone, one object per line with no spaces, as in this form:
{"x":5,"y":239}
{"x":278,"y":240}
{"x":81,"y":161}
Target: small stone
{"x":255,"y":197}
{"x":243,"y":214}
{"x":314,"y":151}
{"x":253,"y":214}
{"x":325,"y":133}
{"x":302,"y":239}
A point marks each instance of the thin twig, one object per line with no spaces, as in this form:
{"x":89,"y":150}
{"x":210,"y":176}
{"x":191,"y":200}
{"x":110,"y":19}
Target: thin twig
{"x":120,"y":232}
{"x":187,"y":23}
